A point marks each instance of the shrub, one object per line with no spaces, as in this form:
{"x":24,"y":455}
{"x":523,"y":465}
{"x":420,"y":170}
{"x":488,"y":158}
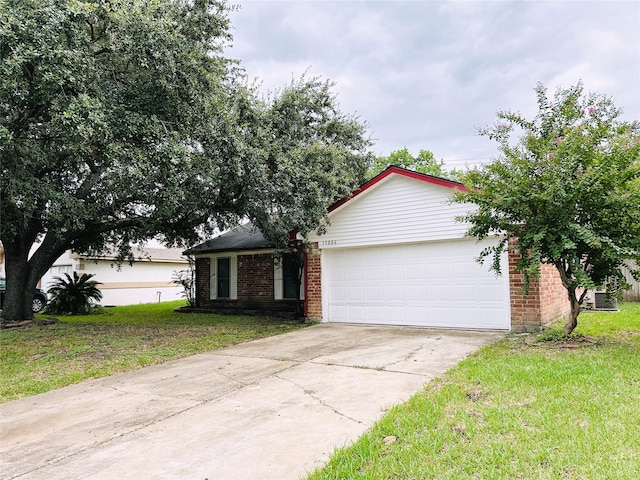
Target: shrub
{"x":73,"y":296}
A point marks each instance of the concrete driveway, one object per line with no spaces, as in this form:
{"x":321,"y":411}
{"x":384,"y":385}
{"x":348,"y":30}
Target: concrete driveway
{"x":274,"y":408}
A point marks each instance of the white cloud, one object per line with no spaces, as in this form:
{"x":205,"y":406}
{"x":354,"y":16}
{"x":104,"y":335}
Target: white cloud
{"x":427,"y":74}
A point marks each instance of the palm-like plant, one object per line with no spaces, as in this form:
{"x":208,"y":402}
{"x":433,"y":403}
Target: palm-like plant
{"x":73,"y":295}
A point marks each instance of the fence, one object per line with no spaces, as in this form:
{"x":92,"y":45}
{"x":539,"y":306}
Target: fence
{"x":633,"y":294}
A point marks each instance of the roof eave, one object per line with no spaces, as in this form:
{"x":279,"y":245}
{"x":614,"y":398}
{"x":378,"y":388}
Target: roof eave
{"x":224,"y":250}
{"x":387,"y":173}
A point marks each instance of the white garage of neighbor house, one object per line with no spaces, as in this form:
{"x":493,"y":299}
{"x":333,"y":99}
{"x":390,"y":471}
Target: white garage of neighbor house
{"x":147,"y":280}
{"x":392,"y":254}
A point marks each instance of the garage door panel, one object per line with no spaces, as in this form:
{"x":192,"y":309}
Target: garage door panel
{"x":337,"y":312}
{"x":375,"y":294}
{"x":437,"y":269}
{"x":431,"y":284}
{"x":490,"y":293}
{"x":374,"y":273}
{"x":441,"y":292}
{"x":488,"y":314}
{"x":465,"y":293}
{"x":394,"y":293}
{"x":416,"y":292}
{"x":355,"y":273}
{"x":394,"y":272}
{"x":357,"y":313}
{"x":375,"y":314}
{"x":394,"y":312}
{"x":415,"y":271}
{"x":338,"y":273}
{"x":355,"y":294}
{"x":338,"y":294}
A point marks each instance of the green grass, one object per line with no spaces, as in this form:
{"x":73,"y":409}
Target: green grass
{"x":36,"y":359}
{"x":515,"y":409}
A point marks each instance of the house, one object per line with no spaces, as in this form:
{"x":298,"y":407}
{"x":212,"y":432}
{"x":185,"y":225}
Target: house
{"x":240,"y":271}
{"x":147,"y":280}
{"x":392,"y":254}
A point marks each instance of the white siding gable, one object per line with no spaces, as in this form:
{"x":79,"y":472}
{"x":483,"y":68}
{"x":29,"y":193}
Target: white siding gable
{"x":397,"y":210}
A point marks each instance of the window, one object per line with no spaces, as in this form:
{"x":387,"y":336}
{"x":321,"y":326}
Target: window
{"x":224,"y":278}
{"x":289,"y":276}
{"x":60,"y":269}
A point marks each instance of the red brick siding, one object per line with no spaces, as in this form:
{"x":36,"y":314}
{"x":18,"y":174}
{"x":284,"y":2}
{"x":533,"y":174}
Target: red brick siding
{"x":255,"y":292}
{"x":255,"y":278}
{"x":554,"y":300}
{"x":313,"y":293}
{"x":203,"y":285}
{"x":546,"y":300}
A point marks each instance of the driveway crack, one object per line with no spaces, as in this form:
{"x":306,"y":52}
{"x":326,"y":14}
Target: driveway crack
{"x":412,"y":353}
{"x":311,"y":394}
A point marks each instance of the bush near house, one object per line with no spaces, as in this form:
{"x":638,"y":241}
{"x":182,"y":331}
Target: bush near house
{"x":73,"y":295}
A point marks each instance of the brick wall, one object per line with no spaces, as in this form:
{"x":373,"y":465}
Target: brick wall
{"x":255,"y":291}
{"x":203,"y":279}
{"x":554,"y":300}
{"x":255,"y":278}
{"x":546,"y":301}
{"x":313,"y":294}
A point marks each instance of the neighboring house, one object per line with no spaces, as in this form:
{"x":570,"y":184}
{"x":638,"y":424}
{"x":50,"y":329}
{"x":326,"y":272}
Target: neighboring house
{"x":599,"y":299}
{"x":393,"y":254}
{"x":147,"y":280}
{"x":240,"y":271}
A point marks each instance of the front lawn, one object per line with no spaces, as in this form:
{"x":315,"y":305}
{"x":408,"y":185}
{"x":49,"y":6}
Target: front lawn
{"x":517,"y":409}
{"x":36,"y":359}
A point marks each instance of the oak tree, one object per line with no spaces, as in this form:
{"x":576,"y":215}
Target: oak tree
{"x":121,"y":121}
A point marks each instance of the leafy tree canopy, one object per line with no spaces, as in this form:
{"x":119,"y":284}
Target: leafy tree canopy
{"x":121,"y":121}
{"x":568,"y":189}
{"x":319,"y":156}
{"x":425,"y":162}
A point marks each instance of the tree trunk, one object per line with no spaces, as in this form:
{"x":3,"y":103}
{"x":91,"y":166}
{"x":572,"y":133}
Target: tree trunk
{"x":566,"y":276}
{"x":18,"y":297}
{"x":24,"y":273}
{"x":572,"y":321}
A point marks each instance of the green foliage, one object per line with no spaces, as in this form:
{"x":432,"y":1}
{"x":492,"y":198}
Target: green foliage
{"x":568,"y":190}
{"x":122,"y":121}
{"x":73,"y":295}
{"x":319,"y":156}
{"x":101,"y":114}
{"x":187,"y":280}
{"x":425,"y":162}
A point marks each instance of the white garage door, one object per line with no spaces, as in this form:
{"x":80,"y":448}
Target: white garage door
{"x":433,"y":284}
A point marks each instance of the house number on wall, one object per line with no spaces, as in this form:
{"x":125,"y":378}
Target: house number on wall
{"x":325,"y":243}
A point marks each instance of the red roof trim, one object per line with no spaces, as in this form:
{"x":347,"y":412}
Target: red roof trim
{"x":443,"y":182}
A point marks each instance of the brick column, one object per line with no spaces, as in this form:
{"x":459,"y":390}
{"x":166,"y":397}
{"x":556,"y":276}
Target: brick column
{"x":313,"y":285}
{"x":546,"y":300}
{"x":203,"y":276}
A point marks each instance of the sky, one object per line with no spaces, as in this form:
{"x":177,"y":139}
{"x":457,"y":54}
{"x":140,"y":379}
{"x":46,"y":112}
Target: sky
{"x":427,"y":74}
